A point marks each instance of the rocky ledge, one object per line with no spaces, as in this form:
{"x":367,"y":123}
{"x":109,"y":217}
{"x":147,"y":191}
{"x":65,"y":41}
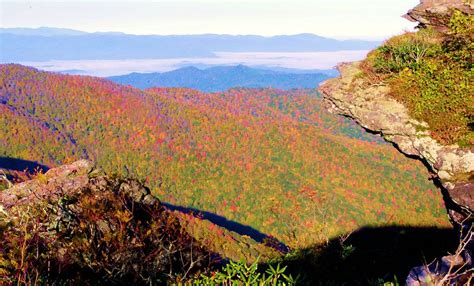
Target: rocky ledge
{"x":371,"y":107}
{"x":451,"y":167}
{"x":76,"y":225}
{"x":436,"y":13}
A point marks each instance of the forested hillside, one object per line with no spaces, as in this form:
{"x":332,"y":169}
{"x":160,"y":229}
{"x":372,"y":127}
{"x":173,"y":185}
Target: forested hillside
{"x":272,"y":160}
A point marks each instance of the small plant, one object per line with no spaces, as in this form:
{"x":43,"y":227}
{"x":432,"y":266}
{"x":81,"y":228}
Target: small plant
{"x":461,"y":23}
{"x":239,"y":273}
{"x":346,"y":249}
{"x":384,"y":282}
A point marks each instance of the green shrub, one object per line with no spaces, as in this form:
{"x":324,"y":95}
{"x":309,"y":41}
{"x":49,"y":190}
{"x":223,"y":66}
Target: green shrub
{"x":406,"y":51}
{"x":431,"y":74}
{"x":239,"y":273}
{"x":440,"y":94}
{"x":459,"y":44}
{"x":461,"y":23}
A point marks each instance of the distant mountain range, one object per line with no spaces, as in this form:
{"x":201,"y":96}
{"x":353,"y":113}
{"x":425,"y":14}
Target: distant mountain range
{"x":43,"y":44}
{"x":42,"y":31}
{"x":222,"y":78}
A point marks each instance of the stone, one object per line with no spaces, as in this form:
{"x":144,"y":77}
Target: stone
{"x":436,"y":13}
{"x":449,"y":270}
{"x":372,"y":108}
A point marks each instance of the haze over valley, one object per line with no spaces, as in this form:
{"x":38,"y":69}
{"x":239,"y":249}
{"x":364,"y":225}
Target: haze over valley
{"x":71,"y":51}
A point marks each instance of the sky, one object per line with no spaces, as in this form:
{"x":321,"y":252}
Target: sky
{"x":368,"y":19}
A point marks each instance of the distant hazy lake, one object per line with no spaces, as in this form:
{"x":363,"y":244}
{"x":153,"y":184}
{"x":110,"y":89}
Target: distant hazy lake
{"x":303,"y":61}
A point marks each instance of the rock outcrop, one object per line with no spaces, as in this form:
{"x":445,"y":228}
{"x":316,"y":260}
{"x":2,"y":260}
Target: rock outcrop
{"x":372,"y":108}
{"x":370,"y":105}
{"x":69,"y":181}
{"x":436,"y":13}
{"x":75,"y":225}
{"x":455,"y":269}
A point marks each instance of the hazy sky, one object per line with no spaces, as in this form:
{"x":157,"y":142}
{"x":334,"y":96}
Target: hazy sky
{"x":336,"y":18}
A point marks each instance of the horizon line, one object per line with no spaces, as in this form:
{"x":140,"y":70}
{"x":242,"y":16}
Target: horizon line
{"x":336,"y":37}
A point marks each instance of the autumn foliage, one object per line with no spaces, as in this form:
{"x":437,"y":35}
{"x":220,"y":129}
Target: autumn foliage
{"x":275,"y":161}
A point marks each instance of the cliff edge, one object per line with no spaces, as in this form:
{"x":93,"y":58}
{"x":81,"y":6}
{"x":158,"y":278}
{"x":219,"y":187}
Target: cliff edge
{"x":372,"y":108}
{"x":367,"y":92}
{"x":416,"y":92}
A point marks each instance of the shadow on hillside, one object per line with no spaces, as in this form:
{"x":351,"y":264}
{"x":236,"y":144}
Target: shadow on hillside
{"x":367,"y":257}
{"x":15,"y":164}
{"x":370,"y":254}
{"x":228,"y":224}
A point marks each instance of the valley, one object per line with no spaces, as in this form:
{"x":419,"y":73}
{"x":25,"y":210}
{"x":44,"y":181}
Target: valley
{"x":272,"y":160}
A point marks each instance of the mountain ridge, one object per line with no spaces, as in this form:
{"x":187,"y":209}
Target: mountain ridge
{"x":88,"y":46}
{"x":47,"y":31}
{"x":221,"y":78}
